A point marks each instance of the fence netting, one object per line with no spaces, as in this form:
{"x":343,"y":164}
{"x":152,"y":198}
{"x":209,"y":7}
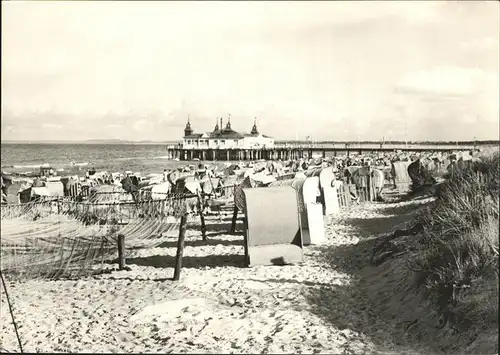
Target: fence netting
{"x":52,"y":238}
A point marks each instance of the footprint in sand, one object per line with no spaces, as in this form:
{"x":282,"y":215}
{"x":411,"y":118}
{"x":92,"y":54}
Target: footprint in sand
{"x":169,"y":310}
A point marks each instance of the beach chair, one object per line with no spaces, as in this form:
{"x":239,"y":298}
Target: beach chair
{"x":314,"y":209}
{"x":12,"y":193}
{"x":361,"y":178}
{"x":187,"y":184}
{"x":344,"y":198}
{"x":73,"y":188}
{"x":56,"y":188}
{"x":297,"y":185}
{"x":160,"y":191}
{"x":209,"y":185}
{"x":402,"y":180}
{"x":283,"y":182}
{"x":272,"y":233}
{"x":329,"y":191}
{"x":239,"y":200}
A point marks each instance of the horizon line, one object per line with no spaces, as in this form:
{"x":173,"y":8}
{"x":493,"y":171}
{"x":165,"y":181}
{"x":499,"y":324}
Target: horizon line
{"x":123,"y":141}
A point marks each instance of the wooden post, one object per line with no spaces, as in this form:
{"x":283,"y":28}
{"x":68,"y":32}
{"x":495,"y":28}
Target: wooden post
{"x":369,"y":185}
{"x":202,"y":218}
{"x":245,"y":241}
{"x":233,"y":221}
{"x":180,"y":247}
{"x":121,"y":252}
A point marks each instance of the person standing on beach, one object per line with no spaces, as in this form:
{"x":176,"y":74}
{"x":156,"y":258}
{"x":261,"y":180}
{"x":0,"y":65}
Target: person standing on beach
{"x":165,"y":175}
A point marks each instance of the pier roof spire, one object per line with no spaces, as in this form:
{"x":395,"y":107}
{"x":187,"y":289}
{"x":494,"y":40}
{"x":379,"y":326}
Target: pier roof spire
{"x":188,"y":130}
{"x":254,"y":128}
{"x":228,"y":125}
{"x":216,"y":125}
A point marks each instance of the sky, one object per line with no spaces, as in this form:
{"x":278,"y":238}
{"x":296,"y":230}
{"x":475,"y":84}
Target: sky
{"x":330,"y":70}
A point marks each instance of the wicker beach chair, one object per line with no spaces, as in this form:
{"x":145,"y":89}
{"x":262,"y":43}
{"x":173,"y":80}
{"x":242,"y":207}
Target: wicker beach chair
{"x":402,"y":180}
{"x":329,"y":191}
{"x":272,"y":233}
{"x":314,"y":210}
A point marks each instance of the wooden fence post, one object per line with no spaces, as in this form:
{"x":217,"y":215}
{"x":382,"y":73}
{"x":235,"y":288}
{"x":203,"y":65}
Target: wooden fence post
{"x":180,"y":247}
{"x":245,"y":241}
{"x":203,"y":226}
{"x":368,"y":185}
{"x":233,"y":221}
{"x":121,"y":252}
{"x":202,"y":218}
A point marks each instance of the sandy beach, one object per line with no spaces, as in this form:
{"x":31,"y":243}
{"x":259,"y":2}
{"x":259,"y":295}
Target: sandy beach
{"x":358,"y":141}
{"x":325,"y":305}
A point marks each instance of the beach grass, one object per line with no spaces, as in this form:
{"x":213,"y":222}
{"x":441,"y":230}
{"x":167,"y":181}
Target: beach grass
{"x":457,"y":268}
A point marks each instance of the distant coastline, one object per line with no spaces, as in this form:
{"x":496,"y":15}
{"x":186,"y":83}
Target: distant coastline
{"x":90,"y":141}
{"x":145,"y":142}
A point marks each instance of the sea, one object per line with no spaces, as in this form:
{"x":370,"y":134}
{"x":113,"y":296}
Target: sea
{"x":76,"y":159}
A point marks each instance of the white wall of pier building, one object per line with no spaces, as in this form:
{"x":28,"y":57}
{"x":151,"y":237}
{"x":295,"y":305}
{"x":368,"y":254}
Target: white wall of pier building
{"x":225,"y":139}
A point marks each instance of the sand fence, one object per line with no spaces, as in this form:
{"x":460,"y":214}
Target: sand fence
{"x":60,"y":238}
{"x":66,"y":238}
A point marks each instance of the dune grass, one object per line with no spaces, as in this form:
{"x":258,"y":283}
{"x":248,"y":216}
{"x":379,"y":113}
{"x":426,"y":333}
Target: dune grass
{"x":457,"y":267}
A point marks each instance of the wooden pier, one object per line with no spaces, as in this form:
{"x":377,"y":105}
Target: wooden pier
{"x":297,"y":151}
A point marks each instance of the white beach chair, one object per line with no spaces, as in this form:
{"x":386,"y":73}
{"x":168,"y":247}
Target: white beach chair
{"x":314,"y":209}
{"x":272,"y":235}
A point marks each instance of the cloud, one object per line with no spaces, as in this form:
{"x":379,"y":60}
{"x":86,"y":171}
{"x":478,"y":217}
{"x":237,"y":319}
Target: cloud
{"x":447,"y":102}
{"x":445,"y":80}
{"x":52,"y":126}
{"x":137,"y":69}
{"x":480,"y":44}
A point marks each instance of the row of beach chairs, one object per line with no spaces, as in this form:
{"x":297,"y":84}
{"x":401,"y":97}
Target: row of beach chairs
{"x":285,"y":216}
